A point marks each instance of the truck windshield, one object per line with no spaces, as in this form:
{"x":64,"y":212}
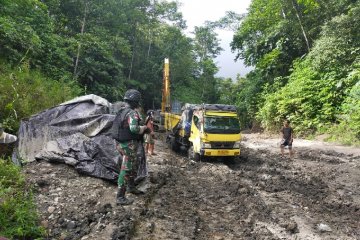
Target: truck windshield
{"x":221,"y":125}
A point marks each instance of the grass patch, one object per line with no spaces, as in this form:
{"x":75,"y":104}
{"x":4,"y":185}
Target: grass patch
{"x":18,"y":215}
{"x":343,"y":135}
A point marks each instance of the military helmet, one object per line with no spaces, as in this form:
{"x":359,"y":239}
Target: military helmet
{"x":132,"y":95}
{"x":150,"y":112}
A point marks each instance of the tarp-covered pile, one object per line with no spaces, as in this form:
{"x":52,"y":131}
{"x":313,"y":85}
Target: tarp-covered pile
{"x":76,"y":133}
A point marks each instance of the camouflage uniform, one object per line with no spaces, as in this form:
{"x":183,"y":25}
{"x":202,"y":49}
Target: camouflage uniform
{"x":127,"y":131}
{"x":128,"y":150}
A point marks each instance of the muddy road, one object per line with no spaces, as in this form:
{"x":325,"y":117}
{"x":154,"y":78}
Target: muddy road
{"x":257,"y":196}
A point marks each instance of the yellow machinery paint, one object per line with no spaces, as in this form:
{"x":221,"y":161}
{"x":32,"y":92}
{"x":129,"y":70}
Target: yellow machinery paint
{"x":201,"y":142}
{"x":194,"y":131}
{"x":165,"y":102}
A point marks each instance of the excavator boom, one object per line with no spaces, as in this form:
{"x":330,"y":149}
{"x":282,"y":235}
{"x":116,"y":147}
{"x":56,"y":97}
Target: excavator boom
{"x":165,"y":102}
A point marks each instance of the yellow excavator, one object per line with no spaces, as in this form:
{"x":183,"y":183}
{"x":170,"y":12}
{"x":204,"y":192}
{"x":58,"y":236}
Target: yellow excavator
{"x":203,"y":130}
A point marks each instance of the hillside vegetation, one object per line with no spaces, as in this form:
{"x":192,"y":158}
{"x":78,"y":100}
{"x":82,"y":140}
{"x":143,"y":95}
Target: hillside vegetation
{"x":99,"y":47}
{"x":304,"y":54}
{"x":307,"y":66}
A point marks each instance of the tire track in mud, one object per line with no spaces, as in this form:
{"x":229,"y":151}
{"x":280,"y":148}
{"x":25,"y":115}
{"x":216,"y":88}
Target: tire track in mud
{"x":203,"y":201}
{"x":305,"y":195}
{"x":259,"y":196}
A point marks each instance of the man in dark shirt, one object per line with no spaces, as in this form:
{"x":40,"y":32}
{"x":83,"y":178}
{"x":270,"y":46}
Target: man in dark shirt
{"x":287,"y":138}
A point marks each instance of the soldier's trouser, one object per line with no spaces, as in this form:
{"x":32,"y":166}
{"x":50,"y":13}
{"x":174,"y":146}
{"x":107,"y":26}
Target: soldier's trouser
{"x":129,"y":162}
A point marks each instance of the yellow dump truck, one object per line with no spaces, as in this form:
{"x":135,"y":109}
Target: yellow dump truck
{"x":206,"y":130}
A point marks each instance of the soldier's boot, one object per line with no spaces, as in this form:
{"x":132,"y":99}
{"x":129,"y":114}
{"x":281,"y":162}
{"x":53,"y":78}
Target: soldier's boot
{"x":120,"y":197}
{"x":131,"y":188}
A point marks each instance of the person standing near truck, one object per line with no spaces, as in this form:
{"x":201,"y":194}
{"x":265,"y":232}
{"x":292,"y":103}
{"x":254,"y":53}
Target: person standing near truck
{"x":149,"y":137}
{"x":127,"y":133}
{"x":287,"y":134}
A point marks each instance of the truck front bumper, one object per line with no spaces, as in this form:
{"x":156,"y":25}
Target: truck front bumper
{"x":219,"y":152}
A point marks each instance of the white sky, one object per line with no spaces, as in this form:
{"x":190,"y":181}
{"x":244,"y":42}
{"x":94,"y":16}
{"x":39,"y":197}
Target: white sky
{"x":196,"y":12}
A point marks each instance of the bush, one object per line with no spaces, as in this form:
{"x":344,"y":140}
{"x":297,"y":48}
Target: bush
{"x":350,"y":117}
{"x":18,"y":214}
{"x":25,"y":93}
{"x":320,"y":91}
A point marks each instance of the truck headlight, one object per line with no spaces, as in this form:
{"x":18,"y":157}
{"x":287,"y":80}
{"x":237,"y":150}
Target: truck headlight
{"x":237,"y":144}
{"x":205,"y":145}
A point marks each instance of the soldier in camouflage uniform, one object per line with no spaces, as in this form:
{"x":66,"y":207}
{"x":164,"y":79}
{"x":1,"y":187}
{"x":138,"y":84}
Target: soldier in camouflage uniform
{"x":130,"y":134}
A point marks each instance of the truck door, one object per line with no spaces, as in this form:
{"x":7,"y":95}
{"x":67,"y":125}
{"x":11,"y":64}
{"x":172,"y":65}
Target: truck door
{"x":195,"y":133}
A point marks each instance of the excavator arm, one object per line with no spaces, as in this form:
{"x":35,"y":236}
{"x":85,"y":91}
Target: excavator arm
{"x":165,"y":102}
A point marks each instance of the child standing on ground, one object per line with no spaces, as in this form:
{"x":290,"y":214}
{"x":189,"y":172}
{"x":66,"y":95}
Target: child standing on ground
{"x":287,"y":138}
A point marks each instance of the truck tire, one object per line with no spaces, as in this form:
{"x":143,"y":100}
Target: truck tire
{"x":174,"y":145}
{"x":193,"y":155}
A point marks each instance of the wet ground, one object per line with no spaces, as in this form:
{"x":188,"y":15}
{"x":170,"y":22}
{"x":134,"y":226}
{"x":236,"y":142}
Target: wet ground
{"x":257,"y":196}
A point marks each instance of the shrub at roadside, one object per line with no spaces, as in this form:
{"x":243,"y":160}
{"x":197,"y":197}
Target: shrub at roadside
{"x":26,"y":92}
{"x":349,"y":120}
{"x":18,"y":214}
{"x":322,"y":94}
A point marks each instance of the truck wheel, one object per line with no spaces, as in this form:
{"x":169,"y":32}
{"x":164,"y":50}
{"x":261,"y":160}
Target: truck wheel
{"x":174,"y":145}
{"x":193,"y":155}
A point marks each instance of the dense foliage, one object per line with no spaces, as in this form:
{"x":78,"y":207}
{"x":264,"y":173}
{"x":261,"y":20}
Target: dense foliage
{"x":26,"y":92}
{"x":53,"y":50}
{"x":306,"y":59}
{"x":304,"y":54}
{"x":18,"y":215}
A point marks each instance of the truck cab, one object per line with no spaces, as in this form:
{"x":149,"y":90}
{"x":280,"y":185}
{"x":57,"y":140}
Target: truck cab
{"x":206,"y":130}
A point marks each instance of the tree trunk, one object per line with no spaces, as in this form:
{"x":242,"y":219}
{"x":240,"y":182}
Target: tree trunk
{"x":283,"y":13}
{"x":301,"y":25}
{"x":133,"y":53}
{"x":150,"y":42}
{"x":150,"y":33}
{"x":79,"y":45}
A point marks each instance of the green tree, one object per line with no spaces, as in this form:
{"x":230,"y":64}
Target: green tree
{"x":206,"y":48}
{"x":302,"y":51}
{"x":27,"y":36}
{"x":321,"y":82}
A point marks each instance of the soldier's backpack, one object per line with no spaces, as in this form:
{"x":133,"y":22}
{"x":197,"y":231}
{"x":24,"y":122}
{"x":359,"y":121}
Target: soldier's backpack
{"x":118,"y":123}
